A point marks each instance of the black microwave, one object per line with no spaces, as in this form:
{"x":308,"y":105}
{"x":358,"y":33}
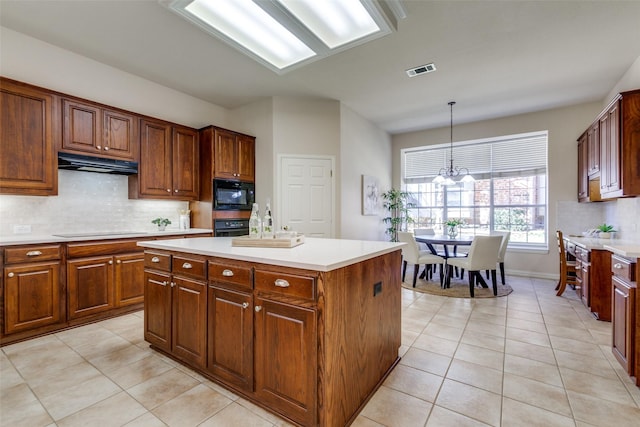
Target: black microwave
{"x":233,"y":195}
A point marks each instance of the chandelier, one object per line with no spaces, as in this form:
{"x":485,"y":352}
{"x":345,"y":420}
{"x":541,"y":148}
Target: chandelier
{"x":447,"y":176}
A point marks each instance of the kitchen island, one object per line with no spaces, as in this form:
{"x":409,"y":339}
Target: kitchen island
{"x":308,"y":333}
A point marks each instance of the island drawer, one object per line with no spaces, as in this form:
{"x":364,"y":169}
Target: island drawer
{"x":31,"y":254}
{"x":189,"y":266}
{"x":157,"y":260}
{"x":231,"y":273}
{"x":623,"y":268}
{"x":286,"y":284}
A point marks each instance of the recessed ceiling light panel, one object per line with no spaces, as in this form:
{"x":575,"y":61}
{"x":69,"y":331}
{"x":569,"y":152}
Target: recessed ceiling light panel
{"x":284,"y":34}
{"x":416,"y":71}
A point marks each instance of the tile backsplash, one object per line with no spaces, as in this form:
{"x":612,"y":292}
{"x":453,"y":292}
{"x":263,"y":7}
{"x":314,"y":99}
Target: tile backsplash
{"x":86,"y":202}
{"x":623,"y":214}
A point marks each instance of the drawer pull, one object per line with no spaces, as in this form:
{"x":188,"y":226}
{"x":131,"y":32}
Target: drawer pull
{"x":155,"y":259}
{"x":617,"y":265}
{"x":281,"y":283}
{"x":245,"y":304}
{"x":34,"y":253}
{"x":227,"y":273}
{"x":10,"y":274}
{"x":257,"y":308}
{"x":158,"y":283}
{"x":187,"y":266}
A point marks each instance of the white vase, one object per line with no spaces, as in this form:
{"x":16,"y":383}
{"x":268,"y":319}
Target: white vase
{"x":604,"y":235}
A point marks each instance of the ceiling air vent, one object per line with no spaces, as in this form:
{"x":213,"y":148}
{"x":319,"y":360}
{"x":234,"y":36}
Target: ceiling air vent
{"x":428,"y":68}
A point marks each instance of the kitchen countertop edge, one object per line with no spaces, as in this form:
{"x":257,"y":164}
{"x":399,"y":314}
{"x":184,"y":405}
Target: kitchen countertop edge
{"x":318,"y":254}
{"x":29,"y":239}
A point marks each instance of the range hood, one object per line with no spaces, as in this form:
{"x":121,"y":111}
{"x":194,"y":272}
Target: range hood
{"x":96,"y":164}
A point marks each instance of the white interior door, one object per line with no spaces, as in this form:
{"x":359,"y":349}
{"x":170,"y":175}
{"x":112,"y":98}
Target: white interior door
{"x":306,"y":195}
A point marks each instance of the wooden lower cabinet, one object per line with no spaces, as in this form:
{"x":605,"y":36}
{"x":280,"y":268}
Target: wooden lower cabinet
{"x":97,"y":284}
{"x":309,"y":346}
{"x":230,"y":336}
{"x":286,"y":359}
{"x":32,"y":296}
{"x":32,"y":290}
{"x":623,"y":285}
{"x":175,"y":316}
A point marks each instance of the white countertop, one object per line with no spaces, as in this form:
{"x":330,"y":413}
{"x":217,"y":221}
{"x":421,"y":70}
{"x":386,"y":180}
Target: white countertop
{"x":315,"y":254}
{"x":625,"y":248}
{"x":27,"y":239}
{"x":627,"y":251}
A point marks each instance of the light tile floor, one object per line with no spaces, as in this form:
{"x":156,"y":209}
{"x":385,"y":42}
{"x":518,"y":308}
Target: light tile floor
{"x":529,"y":359}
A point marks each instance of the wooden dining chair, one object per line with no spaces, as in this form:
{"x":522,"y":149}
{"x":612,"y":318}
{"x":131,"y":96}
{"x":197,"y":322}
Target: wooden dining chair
{"x":483,"y":255}
{"x":411,"y":253}
{"x":567,"y":268}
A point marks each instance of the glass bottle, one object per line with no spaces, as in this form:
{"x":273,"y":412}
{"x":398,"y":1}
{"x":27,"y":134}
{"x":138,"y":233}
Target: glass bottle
{"x":255,"y":226}
{"x":267,"y":222}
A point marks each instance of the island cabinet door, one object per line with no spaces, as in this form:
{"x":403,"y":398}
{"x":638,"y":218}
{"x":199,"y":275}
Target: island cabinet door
{"x":230,"y":342}
{"x":157,"y":309}
{"x":189,"y":320}
{"x":286,"y":359}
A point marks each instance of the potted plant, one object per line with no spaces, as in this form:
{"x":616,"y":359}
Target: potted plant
{"x":161,"y":223}
{"x":397,"y":202}
{"x":605,"y":230}
{"x":452,"y":226}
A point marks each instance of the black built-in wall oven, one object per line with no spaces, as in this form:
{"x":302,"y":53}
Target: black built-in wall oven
{"x":230,"y":196}
{"x":233,"y":195}
{"x":230,"y":227}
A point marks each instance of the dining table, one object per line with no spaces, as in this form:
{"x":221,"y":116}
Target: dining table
{"x":447,"y":241}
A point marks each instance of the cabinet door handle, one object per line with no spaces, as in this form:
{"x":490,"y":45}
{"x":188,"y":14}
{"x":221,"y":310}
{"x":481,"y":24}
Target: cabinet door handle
{"x":173,"y":284}
{"x":281,"y":283}
{"x":155,"y":259}
{"x":99,"y":147}
{"x":227,"y":273}
{"x":10,"y":274}
{"x":245,"y":304}
{"x":257,"y":308}
{"x":155,"y":282}
{"x":168,"y":190}
{"x":106,"y":148}
{"x":617,"y":265}
{"x":175,"y":191}
{"x":111,"y":262}
{"x":118,"y":262}
{"x":34,"y":253}
{"x":187,"y":266}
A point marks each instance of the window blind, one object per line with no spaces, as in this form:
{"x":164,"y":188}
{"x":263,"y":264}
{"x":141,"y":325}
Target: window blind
{"x":508,"y":155}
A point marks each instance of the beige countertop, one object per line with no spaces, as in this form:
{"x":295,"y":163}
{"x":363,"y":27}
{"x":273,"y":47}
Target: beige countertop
{"x":27,"y":239}
{"x":625,"y":248}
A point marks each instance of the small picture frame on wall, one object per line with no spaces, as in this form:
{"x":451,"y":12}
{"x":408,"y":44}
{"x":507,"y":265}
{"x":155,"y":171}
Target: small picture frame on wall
{"x":370,"y":195}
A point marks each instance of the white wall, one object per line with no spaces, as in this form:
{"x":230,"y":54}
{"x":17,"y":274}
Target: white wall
{"x":564,"y":125}
{"x":365,"y":150}
{"x":33,"y":61}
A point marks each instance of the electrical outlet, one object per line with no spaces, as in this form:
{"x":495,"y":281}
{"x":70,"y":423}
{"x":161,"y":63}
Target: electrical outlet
{"x":21,"y":229}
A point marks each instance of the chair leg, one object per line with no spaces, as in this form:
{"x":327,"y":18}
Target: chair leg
{"x":441,"y":275}
{"x":404,"y":269}
{"x":416,"y":267}
{"x":487,"y":273}
{"x":494,"y":280}
{"x":472,"y":275}
{"x":502,"y":272}
{"x":562,"y":284}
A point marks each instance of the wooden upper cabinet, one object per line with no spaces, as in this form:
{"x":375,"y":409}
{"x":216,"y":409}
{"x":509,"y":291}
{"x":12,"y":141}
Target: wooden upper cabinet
{"x":583,"y":175}
{"x":619,"y":146}
{"x":593,"y":150}
{"x":168,"y":162}
{"x":234,"y":156}
{"x":91,"y":129}
{"x":29,"y":135}
{"x":185,"y":163}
